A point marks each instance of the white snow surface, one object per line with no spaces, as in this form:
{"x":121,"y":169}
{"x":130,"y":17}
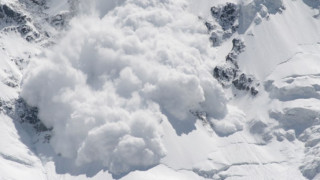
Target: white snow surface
{"x":122,"y":84}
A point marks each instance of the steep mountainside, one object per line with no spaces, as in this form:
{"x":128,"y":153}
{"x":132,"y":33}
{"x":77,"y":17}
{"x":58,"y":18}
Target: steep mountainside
{"x":160,"y":89}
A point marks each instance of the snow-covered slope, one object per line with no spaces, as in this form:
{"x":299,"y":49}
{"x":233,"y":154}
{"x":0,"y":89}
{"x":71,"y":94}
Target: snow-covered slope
{"x":170,"y":89}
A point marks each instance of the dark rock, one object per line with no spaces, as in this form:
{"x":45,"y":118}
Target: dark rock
{"x":39,"y":2}
{"x":24,"y":29}
{"x":199,"y":114}
{"x":16,"y":21}
{"x":11,"y":84}
{"x":46,"y":34}
{"x":215,"y":12}
{"x":228,"y":74}
{"x":209,"y":26}
{"x":241,"y":83}
{"x":11,"y":14}
{"x":28,"y":114}
{"x":36,"y":35}
{"x":1,"y":14}
{"x":245,"y":83}
{"x":253,"y":91}
{"x":29,"y":38}
{"x":224,"y":74}
{"x":238,"y":46}
{"x":60,"y":20}
{"x":226,"y":15}
{"x":227,"y":18}
{"x":215,"y":39}
{"x":234,"y":28}
{"x":227,"y":35}
{"x":8,"y":11}
{"x":232,"y":57}
{"x":57,"y":20}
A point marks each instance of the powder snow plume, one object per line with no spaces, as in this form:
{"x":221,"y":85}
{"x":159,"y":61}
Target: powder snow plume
{"x":117,"y":74}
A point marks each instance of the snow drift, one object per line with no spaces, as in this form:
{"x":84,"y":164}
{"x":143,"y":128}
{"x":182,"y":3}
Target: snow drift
{"x":116,"y":75}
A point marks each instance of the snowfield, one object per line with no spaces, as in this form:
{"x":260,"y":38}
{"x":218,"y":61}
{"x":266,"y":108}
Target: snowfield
{"x":169,"y":89}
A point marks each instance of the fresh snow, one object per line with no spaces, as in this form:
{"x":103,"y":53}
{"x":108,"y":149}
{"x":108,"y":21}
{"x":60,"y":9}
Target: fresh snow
{"x":128,"y":90}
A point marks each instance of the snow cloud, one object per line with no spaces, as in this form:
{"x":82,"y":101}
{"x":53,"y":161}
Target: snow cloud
{"x":118,"y":73}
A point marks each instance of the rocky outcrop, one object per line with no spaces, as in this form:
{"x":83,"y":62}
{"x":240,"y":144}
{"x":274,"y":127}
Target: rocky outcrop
{"x":21,"y":19}
{"x":226,"y":16}
{"x":229,"y":73}
{"x":29,"y":20}
{"x":230,"y":18}
{"x":23,"y":113}
{"x":13,"y":19}
{"x":226,"y":22}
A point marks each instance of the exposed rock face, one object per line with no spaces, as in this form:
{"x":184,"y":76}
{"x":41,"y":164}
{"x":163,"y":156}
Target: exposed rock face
{"x":224,"y":74}
{"x":244,"y":83}
{"x":230,"y":18}
{"x":25,"y":114}
{"x":10,"y":14}
{"x":59,"y":20}
{"x":226,"y":16}
{"x":30,"y":21}
{"x":226,"y":22}
{"x":17,"y":19}
{"x":29,"y":115}
{"x":39,"y":2}
{"x":14,"y":20}
{"x":229,"y":73}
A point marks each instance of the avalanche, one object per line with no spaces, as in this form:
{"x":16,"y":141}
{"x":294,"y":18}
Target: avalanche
{"x":169,"y":89}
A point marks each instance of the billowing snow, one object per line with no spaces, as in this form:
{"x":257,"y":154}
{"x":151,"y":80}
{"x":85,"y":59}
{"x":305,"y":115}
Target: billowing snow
{"x":117,"y":78}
